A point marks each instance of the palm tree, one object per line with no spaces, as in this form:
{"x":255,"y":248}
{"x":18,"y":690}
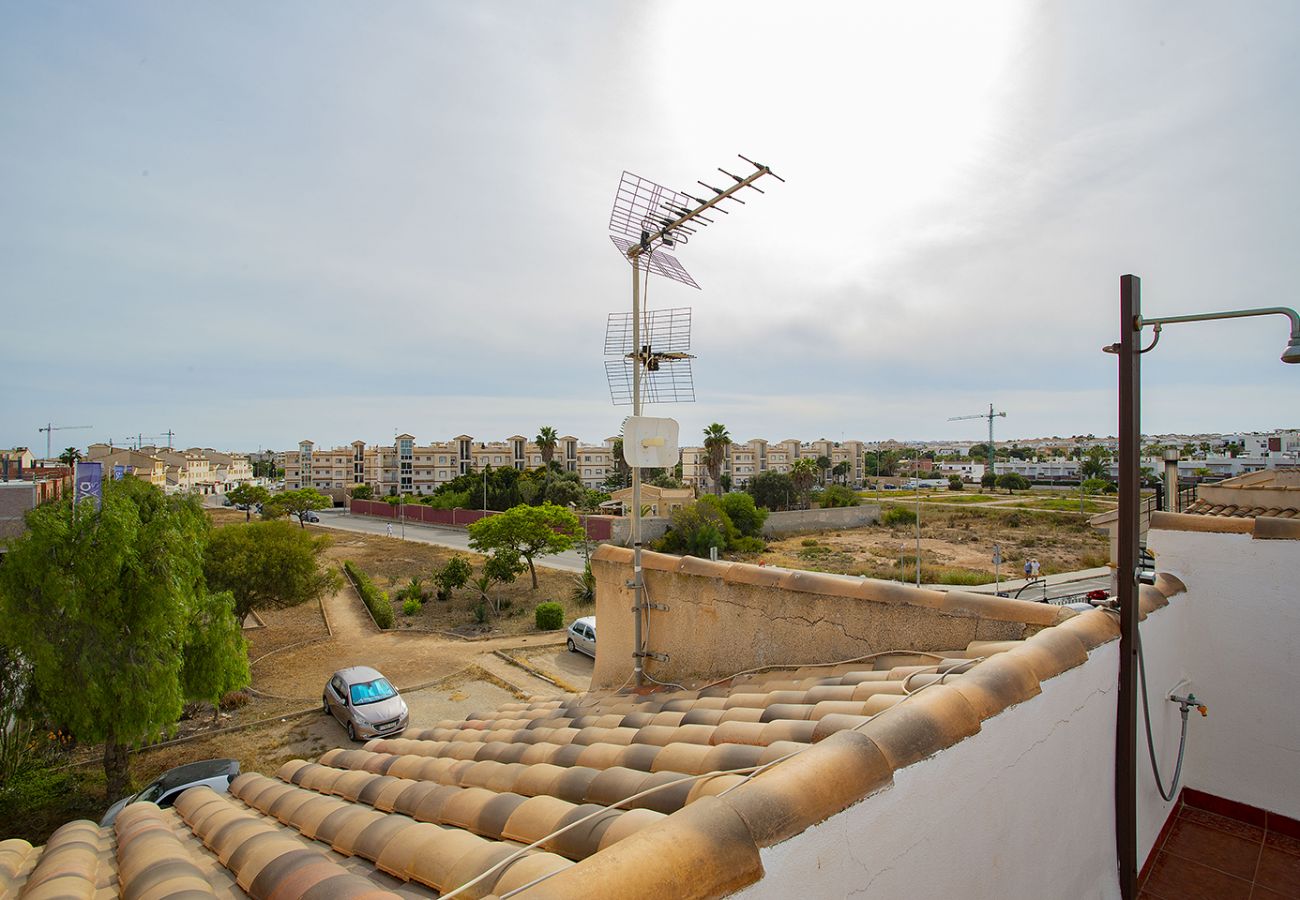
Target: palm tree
{"x":70,"y":456}
{"x":546,"y":440}
{"x":803,"y":472}
{"x":716,"y":441}
{"x":823,"y":466}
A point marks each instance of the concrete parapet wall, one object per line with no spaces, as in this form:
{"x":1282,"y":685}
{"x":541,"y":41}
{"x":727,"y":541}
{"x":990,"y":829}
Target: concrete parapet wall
{"x":797,"y":520}
{"x":723,"y":618}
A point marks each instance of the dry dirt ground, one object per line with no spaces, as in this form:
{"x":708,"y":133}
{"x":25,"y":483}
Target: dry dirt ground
{"x":956,"y":544}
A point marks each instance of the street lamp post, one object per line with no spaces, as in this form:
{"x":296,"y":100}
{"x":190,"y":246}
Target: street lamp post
{"x":1129,"y":350}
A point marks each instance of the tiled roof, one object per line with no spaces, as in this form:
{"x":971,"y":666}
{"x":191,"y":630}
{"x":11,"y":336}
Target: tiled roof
{"x":614,"y":795}
{"x":1205,"y":508}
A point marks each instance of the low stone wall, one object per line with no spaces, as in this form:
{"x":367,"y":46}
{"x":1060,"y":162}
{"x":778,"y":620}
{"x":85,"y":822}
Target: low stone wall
{"x":721,"y":618}
{"x":797,"y":520}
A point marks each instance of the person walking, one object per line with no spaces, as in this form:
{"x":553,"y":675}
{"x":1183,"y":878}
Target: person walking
{"x":389,"y":527}
{"x":1034,"y":568}
{"x":1029,"y":568}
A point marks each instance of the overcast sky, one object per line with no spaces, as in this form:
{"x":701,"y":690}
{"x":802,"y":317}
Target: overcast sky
{"x":256,"y":223}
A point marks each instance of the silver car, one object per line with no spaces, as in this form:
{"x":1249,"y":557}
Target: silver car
{"x":214,"y":773}
{"x":365,"y":703}
{"x":582,"y":636}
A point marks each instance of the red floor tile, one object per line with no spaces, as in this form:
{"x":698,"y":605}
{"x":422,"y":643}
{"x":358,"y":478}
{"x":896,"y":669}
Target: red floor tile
{"x":1222,"y":823}
{"x":1175,"y":878}
{"x":1227,"y":852}
{"x":1263,"y":893}
{"x":1279,"y":871}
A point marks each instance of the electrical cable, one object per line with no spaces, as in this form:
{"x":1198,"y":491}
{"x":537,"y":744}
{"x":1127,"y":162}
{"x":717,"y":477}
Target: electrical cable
{"x":1146,"y":716}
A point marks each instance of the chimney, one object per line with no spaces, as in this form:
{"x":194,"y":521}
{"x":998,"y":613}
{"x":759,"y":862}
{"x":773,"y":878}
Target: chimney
{"x":1171,"y":481}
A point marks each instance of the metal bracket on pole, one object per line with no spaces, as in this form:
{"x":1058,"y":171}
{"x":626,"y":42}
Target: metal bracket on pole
{"x":657,"y":657}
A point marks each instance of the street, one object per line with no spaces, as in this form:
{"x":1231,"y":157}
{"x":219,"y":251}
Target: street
{"x":455,"y":538}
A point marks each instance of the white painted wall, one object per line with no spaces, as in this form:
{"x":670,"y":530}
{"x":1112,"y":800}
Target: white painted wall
{"x":1241,"y":650}
{"x":1025,"y":808}
{"x":1164,"y":637}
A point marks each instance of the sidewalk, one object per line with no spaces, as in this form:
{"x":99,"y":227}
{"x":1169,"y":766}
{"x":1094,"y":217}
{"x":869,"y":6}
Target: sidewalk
{"x":1014,"y":584}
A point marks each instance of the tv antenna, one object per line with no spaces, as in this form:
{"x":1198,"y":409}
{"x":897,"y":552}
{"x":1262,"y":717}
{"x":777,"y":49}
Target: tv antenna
{"x":990,"y":415}
{"x":48,"y":428}
{"x":648,"y":219}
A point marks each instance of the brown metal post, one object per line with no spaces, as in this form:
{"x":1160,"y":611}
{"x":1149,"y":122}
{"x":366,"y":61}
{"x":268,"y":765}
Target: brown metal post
{"x":1130,"y":501}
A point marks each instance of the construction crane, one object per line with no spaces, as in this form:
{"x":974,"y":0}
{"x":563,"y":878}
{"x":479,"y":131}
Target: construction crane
{"x":48,"y":428}
{"x":990,"y":415}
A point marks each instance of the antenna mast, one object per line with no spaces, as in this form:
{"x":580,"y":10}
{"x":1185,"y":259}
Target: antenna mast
{"x":646,"y":218}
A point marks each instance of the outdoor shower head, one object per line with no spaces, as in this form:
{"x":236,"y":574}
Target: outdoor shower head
{"x":1292,"y":352}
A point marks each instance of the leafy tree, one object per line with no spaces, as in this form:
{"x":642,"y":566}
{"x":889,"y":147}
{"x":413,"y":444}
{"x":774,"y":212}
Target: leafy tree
{"x":107,"y":610}
{"x":716,"y":441}
{"x":528,"y":531}
{"x":955,"y":483}
{"x":1094,"y":464}
{"x":246,"y":496}
{"x":823,"y":466}
{"x":298,"y":503}
{"x":563,"y":491}
{"x":546,"y":441}
{"x":1094,"y":485}
{"x":622,"y":474}
{"x":697,"y":528}
{"x":664,"y":480}
{"x":453,"y":574}
{"x":842,"y":470}
{"x":803,"y":472}
{"x":988,"y":479}
{"x":502,"y":567}
{"x":70,"y":456}
{"x":772,"y":490}
{"x":266,"y":565}
{"x":725,"y":483}
{"x":883,"y":462}
{"x":1013,"y":482}
{"x":835,"y":495}
{"x":361,"y":492}
{"x":744,"y":514}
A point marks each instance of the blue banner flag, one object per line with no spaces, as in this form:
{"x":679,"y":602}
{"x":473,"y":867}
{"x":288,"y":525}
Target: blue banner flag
{"x":90,"y":483}
{"x":119,"y":472}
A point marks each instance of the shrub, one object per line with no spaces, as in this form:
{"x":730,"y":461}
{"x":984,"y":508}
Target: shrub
{"x":809,"y":542}
{"x":235,"y":700}
{"x":411,"y":606}
{"x":747,"y":517}
{"x":698,"y":527}
{"x":748,"y":544}
{"x":837,"y":495}
{"x":955,"y":483}
{"x":454,"y":574}
{"x":414,"y":591}
{"x":585,"y":590}
{"x":481,"y":613}
{"x":548,"y":616}
{"x":375,"y":599}
{"x":988,"y":479}
{"x":898,"y":515}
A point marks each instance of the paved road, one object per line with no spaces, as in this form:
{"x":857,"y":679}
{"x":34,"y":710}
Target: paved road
{"x":455,"y":538}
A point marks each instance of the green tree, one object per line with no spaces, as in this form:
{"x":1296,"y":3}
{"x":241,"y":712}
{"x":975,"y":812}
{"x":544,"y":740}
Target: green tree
{"x":502,"y":567}
{"x":546,"y":440}
{"x":266,"y":565}
{"x":453,"y":574}
{"x":528,"y":531}
{"x":361,"y":492}
{"x":246,"y":496}
{"x":955,"y":483}
{"x":106,"y":608}
{"x":803,"y":472}
{"x":988,"y":479}
{"x":772,"y":490}
{"x":744,"y":514}
{"x":725,"y":483}
{"x":697,"y":528}
{"x":298,"y":503}
{"x":842,"y":470}
{"x":716,"y":441}
{"x":1095,"y":463}
{"x":70,"y":456}
{"x":823,"y":466}
{"x":1013,"y":482}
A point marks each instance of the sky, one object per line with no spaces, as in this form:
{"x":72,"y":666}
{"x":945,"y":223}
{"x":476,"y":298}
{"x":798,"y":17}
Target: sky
{"x":253,"y":224}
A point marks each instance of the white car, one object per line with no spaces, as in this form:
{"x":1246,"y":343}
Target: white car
{"x":582,"y":636}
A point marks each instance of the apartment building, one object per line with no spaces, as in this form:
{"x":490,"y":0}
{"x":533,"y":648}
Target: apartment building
{"x":408,"y":467}
{"x":200,"y":470}
{"x":743,"y":461}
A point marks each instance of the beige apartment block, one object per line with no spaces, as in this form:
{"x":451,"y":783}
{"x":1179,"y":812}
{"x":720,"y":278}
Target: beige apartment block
{"x":227,"y":469}
{"x":743,"y":461}
{"x":407,"y":467}
{"x":139,"y":465}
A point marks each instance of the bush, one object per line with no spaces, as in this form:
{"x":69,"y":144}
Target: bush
{"x":549,"y":616}
{"x":747,"y":517}
{"x":375,"y":599}
{"x":697,"y":528}
{"x":235,"y":700}
{"x":988,"y":479}
{"x":837,"y":495}
{"x":481,"y":613}
{"x":414,"y":591}
{"x":411,"y":606}
{"x":898,"y":515}
{"x":454,"y":574}
{"x":955,"y":483}
{"x":809,"y":542}
{"x":585,"y":590}
{"x":748,"y":544}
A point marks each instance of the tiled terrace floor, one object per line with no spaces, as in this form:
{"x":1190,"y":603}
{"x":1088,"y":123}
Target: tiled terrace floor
{"x":1209,"y":856}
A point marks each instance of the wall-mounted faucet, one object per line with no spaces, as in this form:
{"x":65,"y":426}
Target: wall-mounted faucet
{"x":1189,"y":702}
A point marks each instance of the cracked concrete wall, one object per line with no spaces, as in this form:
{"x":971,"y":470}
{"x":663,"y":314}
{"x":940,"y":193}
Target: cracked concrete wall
{"x":1024,"y":808}
{"x":719,"y":621}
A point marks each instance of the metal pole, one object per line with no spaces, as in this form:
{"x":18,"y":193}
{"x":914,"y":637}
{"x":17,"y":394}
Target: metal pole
{"x":1130,"y":430}
{"x":637,"y":587}
{"x":918,"y":521}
